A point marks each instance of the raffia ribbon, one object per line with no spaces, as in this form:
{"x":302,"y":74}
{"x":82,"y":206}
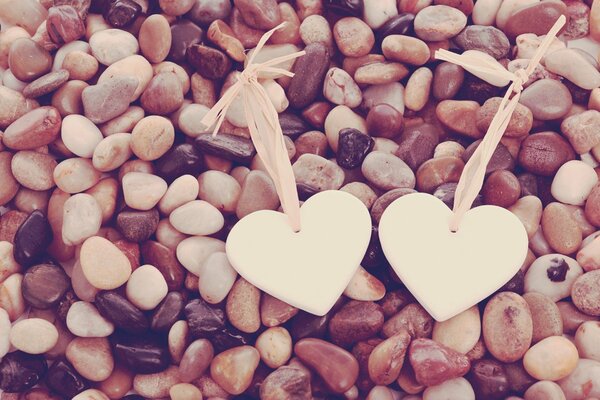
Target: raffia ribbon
{"x":263,"y":123}
{"x":485,"y":67}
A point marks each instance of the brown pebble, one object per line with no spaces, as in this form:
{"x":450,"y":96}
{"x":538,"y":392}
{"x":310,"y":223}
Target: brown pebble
{"x":546,"y":317}
{"x":91,"y":357}
{"x":80,"y":65}
{"x":543,"y":153}
{"x":155,"y":38}
{"x":459,"y":116}
{"x":353,"y":37}
{"x":437,"y":171}
{"x":502,"y":188}
{"x":33,"y":170}
{"x":242,"y":307}
{"x":586,"y":293}
{"x":163,"y":95}
{"x":28,"y":60}
{"x":560,"y":229}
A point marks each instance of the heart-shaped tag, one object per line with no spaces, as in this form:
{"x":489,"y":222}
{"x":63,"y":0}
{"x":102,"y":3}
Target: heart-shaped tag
{"x":309,"y":269}
{"x":449,"y":272}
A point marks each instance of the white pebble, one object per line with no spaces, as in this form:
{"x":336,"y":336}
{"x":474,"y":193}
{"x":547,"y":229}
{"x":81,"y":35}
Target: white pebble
{"x":146,"y":287}
{"x":33,"y":335}
{"x":143,"y":191}
{"x":112,"y":45}
{"x":197,"y":217}
{"x":82,"y":218}
{"x":80,"y":135}
{"x":457,"y":388}
{"x":573,"y":182}
{"x":545,"y":276}
{"x":182,"y":190}
{"x":216,"y":277}
{"x":84,"y":320}
{"x":193,"y":251}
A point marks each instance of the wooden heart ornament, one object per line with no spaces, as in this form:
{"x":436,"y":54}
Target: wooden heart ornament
{"x":309,"y":269}
{"x":449,"y":272}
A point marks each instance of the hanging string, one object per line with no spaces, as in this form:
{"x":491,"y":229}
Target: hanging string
{"x":263,"y":124}
{"x":473,"y":174}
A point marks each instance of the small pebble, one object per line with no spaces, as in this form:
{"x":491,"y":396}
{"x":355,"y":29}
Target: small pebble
{"x":33,"y":335}
{"x":84,"y":320}
{"x":143,"y":278}
{"x":103,"y":264}
{"x":557,"y":363}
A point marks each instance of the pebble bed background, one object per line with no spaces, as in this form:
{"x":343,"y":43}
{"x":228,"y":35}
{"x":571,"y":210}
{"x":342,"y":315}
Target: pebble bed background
{"x":116,"y":202}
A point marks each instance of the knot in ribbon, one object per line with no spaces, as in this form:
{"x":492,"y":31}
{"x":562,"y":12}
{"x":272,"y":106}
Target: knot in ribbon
{"x":263,"y":123}
{"x":487,"y":68}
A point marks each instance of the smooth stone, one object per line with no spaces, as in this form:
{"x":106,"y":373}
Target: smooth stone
{"x":547,"y":320}
{"x":216,"y":278}
{"x":80,"y":65}
{"x":11,"y":299}
{"x":82,"y":218}
{"x":33,"y":335}
{"x":143,"y":191}
{"x":543,"y":13}
{"x":274,"y":312}
{"x":185,"y":391}
{"x":203,"y":12}
{"x":112,"y":152}
{"x":520,"y":123}
{"x":33,"y":170}
{"x":405,"y":49}
{"x":141,"y":353}
{"x":573,"y":66}
{"x":583,"y":380}
{"x":262,"y":14}
{"x":386,"y":171}
{"x":286,"y":382}
{"x":134,"y":66}
{"x":44,"y":285}
{"x":13,"y":106}
{"x":144,"y":277}
{"x":507,"y":339}
{"x":584,"y":293}
{"x":364,"y":286}
{"x":440,"y":22}
{"x":580,"y":130}
{"x":461,"y":332}
{"x":67,"y":99}
{"x":121,"y":13}
{"x":28,"y":60}
{"x":353,"y":37}
{"x":233,"y":369}
{"x":573,"y":182}
{"x":487,"y":39}
{"x":20,"y":371}
{"x":552,"y":358}
{"x":387,"y":358}
{"x":552,"y":275}
{"x":223,"y":36}
{"x":156,"y":385}
{"x":544,"y":106}
{"x":152,"y":137}
{"x":121,"y":312}
{"x":180,"y":160}
{"x":226,"y":198}
{"x":167,"y":312}
{"x":193,"y":251}
{"x":10,"y":185}
{"x":309,"y":73}
{"x":108,"y":99}
{"x":196,"y":360}
{"x":80,"y":135}
{"x":544,"y":390}
{"x":204,"y":320}
{"x":32,"y":238}
{"x":164,"y":259}
{"x":8,"y":265}
{"x":434,"y":363}
{"x":84,"y":320}
{"x":459,"y":116}
{"x":502,"y":188}
{"x":323,"y":357}
{"x":544,"y":153}
{"x":586,"y":340}
{"x":112,"y":45}
{"x":64,"y":24}
{"x":155,"y":38}
{"x":91,"y":357}
{"x":355,"y":321}
{"x":340,"y":88}
{"x":138,"y":226}
{"x":458,"y":388}
{"x":243,"y":306}
{"x":64,"y":380}
{"x":197,"y":217}
{"x":274,"y":346}
{"x":227,"y":146}
{"x":103,"y":264}
{"x":37,"y":128}
{"x":184,"y":34}
{"x":342,"y":117}
{"x":318,"y":173}
{"x":384,"y":121}
{"x":489,"y":379}
{"x":163,"y":95}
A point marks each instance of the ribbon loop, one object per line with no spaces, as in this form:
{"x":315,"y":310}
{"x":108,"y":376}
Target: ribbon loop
{"x":263,"y":124}
{"x":473,"y":175}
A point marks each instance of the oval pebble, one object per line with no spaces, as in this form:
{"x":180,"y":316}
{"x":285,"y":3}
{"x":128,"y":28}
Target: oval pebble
{"x":103,"y":264}
{"x":197,"y":217}
{"x":84,"y":320}
{"x":80,"y":135}
{"x":33,"y":335}
{"x":146,"y":287}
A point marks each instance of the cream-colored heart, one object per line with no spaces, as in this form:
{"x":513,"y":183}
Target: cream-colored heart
{"x":449,"y":272}
{"x":309,"y":269}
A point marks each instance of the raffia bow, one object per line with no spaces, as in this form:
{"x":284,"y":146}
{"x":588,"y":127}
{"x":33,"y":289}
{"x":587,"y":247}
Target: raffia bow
{"x":490,"y":70}
{"x":263,"y":124}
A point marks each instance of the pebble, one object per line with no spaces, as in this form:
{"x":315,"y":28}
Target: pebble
{"x":143,"y":191}
{"x":143,"y":278}
{"x":155,"y":38}
{"x":584,"y":293}
{"x":84,"y":320}
{"x":309,"y":72}
{"x":32,"y":238}
{"x":11,"y":299}
{"x":216,"y":278}
{"x":316,"y":173}
{"x":274,"y":312}
{"x":67,"y":99}
{"x":152,"y":137}
{"x":323,"y":357}
{"x":137,"y":226}
{"x":353,"y":37}
{"x":546,"y":317}
{"x":552,"y":275}
{"x":461,"y":332}
{"x":226,"y":198}
{"x":574,"y":182}
{"x":8,"y":265}
{"x":233,"y":369}
{"x":520,"y":123}
{"x":36,"y":128}
{"x":583,"y":380}
{"x":197,"y":217}
{"x":484,"y":12}
{"x":156,"y":385}
{"x":458,"y":388}
{"x":91,"y":357}
{"x":274,"y":346}
{"x":243,"y":306}
{"x":142,"y":353}
{"x":387,"y":358}
{"x":108,"y":99}
{"x":64,"y":380}
{"x":195,"y":360}
{"x":489,"y":379}
{"x":340,"y":88}
{"x":64,"y":24}
{"x":163,"y":95}
{"x":134,"y":66}
{"x":44,"y":285}
{"x":507,"y":326}
{"x":286,"y":382}
{"x":586,"y":340}
{"x":353,"y":146}
{"x":364,"y":286}
{"x":405,"y":49}
{"x":28,"y":60}
{"x":20,"y":371}
{"x":10,"y":187}
{"x":33,"y":170}
{"x":193,"y":251}
{"x":544,"y":390}
{"x":355,"y":321}
{"x":434,"y":363}
{"x":80,"y":65}
{"x":487,"y":39}
{"x":439,"y":22}
{"x":578,"y":70}
{"x":111,"y":45}
{"x":103,"y":264}
{"x":502,"y":188}
{"x":33,"y":335}
{"x":418,"y":88}
{"x":82,"y":218}
{"x":543,"y":13}
{"x":459,"y":116}
{"x":568,"y":238}
{"x":185,"y":391}
{"x":117,"y":384}
{"x":438,"y":171}
{"x":386,"y":171}
{"x":14,"y":105}
{"x":552,"y":358}
{"x":112,"y":152}
{"x":121,"y":312}
{"x":543,"y":153}
{"x":544,"y":107}
{"x":580,"y":130}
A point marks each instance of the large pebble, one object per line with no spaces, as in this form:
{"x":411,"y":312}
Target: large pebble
{"x":572,"y":65}
{"x":84,"y":320}
{"x":573,"y":182}
{"x":342,"y":117}
{"x":91,"y":357}
{"x":21,"y":371}
{"x":33,"y":170}
{"x":340,"y":88}
{"x":325,"y":358}
{"x":586,"y":340}
{"x":507,"y":326}
{"x":586,"y":293}
{"x":434,"y":363}
{"x":121,"y":312}
{"x":543,"y":153}
{"x":309,"y":72}
{"x":546,"y":317}
{"x":387,"y":358}
{"x":544,"y":14}
{"x":197,"y":217}
{"x":584,"y":381}
{"x":80,"y":135}
{"x":582,"y":130}
{"x":112,"y":45}
{"x":193,"y":252}
{"x":274,"y":346}
{"x":143,"y":191}
{"x":216,"y":278}
{"x":457,"y":388}
{"x":353,"y":37}
{"x":33,"y":335}
{"x":44,"y":285}
{"x":103,"y":264}
{"x":156,"y":385}
{"x":243,"y":306}
{"x":318,"y":173}
{"x":547,"y":99}
{"x":386,"y":171}
{"x":551,"y":359}
{"x":108,"y":99}
{"x":355,"y":321}
{"x":487,"y":39}
{"x":225,"y":199}
{"x":435,"y":23}
{"x":546,"y":390}
{"x":155,"y":38}
{"x":82,"y":218}
{"x":460,"y":332}
{"x":234,"y":368}
{"x":37,"y":128}
{"x":28,"y":60}
{"x":560,"y":229}
{"x":195,"y":360}
{"x":134,"y":66}
{"x":287,"y":382}
{"x":552,"y":275}
{"x":152,"y":137}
